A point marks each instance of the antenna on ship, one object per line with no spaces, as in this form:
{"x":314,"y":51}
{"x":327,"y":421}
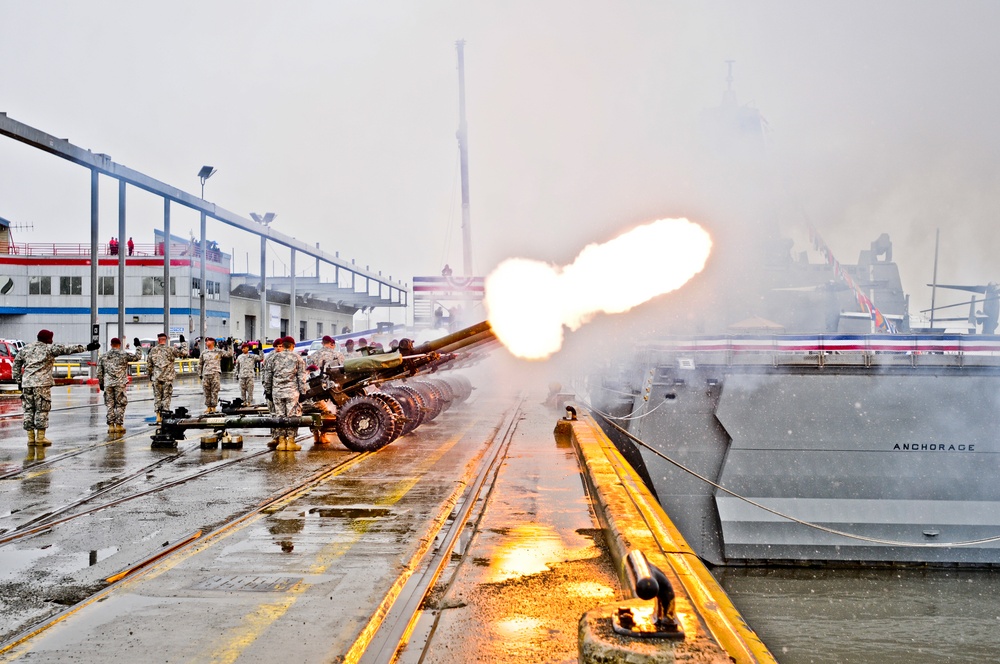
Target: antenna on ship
{"x":729,"y":96}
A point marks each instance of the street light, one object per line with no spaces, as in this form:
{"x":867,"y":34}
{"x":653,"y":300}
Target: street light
{"x":205,"y":173}
{"x":264,"y":221}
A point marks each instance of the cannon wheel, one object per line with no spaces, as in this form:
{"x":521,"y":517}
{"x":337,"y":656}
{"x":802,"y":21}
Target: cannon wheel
{"x":365,"y":424}
{"x":433,"y":400}
{"x":462,"y":387}
{"x":447,"y":394}
{"x":398,"y":414}
{"x":412,"y":405}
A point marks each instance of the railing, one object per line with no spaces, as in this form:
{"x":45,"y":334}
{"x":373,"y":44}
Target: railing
{"x":951,"y":344}
{"x":49,"y":249}
{"x":184,"y":366}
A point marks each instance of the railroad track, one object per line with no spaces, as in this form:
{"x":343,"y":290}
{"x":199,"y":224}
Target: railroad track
{"x":273,"y":502}
{"x":399,"y":631}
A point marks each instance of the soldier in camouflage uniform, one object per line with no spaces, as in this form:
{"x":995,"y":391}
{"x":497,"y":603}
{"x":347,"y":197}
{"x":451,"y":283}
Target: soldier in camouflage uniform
{"x":160,"y":366}
{"x":112,"y":377}
{"x":246,"y":365}
{"x":210,"y":371}
{"x":328,"y":356}
{"x":265,"y":376}
{"x":286,"y":381}
{"x":33,"y":373}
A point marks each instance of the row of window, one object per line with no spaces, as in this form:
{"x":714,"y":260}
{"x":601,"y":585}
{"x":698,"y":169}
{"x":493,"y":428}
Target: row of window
{"x":106,"y":286}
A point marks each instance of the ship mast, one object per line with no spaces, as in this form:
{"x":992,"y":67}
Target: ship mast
{"x":463,"y":150}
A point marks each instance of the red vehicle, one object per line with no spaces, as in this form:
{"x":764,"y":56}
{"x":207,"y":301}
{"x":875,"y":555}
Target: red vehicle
{"x":7,"y":353}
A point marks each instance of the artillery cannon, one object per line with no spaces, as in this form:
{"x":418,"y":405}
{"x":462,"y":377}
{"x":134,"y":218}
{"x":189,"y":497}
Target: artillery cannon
{"x":368,"y":402}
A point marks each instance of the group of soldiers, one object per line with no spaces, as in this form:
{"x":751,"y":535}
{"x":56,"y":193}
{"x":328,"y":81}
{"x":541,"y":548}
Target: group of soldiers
{"x":284,"y":376}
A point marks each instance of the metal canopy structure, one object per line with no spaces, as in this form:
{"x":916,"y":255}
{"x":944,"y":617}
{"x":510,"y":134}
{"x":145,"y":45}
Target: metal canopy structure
{"x":103,"y":164}
{"x":333,"y":292}
{"x":376,"y":289}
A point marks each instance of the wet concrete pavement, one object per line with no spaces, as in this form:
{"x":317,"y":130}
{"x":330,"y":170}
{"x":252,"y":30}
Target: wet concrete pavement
{"x":536,"y":563}
{"x":42,"y":574}
{"x":303,"y":579}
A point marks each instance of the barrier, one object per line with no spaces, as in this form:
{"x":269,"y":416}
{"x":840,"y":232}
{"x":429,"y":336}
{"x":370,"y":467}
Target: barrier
{"x":182,"y":366}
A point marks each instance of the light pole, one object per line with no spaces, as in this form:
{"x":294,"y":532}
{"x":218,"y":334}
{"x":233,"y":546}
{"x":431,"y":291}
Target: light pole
{"x":205,"y":173}
{"x":264,"y":221}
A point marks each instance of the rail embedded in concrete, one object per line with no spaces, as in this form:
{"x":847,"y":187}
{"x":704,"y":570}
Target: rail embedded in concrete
{"x":632,"y":519}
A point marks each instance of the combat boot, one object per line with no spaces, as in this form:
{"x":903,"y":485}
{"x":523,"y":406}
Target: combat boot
{"x":282,"y":443}
{"x":112,"y":429}
{"x":291,"y":445}
{"x":40,"y":438}
{"x":273,"y":443}
{"x":31,"y":437}
{"x":159,"y":417}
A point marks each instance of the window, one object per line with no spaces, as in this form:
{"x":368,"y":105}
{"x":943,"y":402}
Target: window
{"x":319,"y":329}
{"x":152,"y":285}
{"x":105,"y":285}
{"x":173,"y":285}
{"x":71,"y":285}
{"x":39,"y":285}
{"x":195,"y":284}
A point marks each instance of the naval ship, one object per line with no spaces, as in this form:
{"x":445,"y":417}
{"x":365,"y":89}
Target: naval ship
{"x":809,"y":434}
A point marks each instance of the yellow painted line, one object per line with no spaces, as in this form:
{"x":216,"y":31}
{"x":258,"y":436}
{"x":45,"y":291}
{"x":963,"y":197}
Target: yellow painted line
{"x":255,"y":624}
{"x":168,"y":564}
{"x":634,"y":519}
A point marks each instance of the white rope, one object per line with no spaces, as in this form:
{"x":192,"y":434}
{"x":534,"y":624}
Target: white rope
{"x":874,"y":540}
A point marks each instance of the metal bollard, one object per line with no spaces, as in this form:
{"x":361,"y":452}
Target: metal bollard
{"x":647,"y":582}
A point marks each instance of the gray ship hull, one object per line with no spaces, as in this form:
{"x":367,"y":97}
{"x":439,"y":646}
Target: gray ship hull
{"x":898,"y":450}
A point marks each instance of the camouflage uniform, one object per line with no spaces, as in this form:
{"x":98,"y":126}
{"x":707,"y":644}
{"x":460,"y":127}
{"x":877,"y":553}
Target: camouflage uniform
{"x":33,"y":372}
{"x":327,"y":356}
{"x":246,"y":363}
{"x":286,"y":381}
{"x":210,"y":370}
{"x":112,"y":375}
{"x":160,"y":366}
{"x":266,"y":372}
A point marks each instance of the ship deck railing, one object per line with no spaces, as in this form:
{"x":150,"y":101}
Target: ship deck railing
{"x":836,"y":349}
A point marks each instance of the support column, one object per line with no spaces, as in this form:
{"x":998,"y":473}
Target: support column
{"x":201,"y":298}
{"x":293,"y":319}
{"x":94,"y":229}
{"x":317,"y":264}
{"x":263,"y":289}
{"x":122,"y":253}
{"x":166,"y":266}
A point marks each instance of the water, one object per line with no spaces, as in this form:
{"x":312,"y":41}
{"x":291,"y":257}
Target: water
{"x":887,"y":616}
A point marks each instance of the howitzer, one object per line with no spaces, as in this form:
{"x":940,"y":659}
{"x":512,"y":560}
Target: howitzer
{"x":369,"y":402}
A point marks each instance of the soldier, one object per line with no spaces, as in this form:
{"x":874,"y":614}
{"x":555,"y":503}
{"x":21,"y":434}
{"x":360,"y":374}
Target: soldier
{"x":246,"y":364}
{"x":328,"y":355}
{"x":33,"y":373}
{"x":265,"y":376}
{"x":349,"y":351}
{"x":112,"y":377}
{"x":286,"y":381}
{"x":160,"y":366}
{"x":210,"y":371}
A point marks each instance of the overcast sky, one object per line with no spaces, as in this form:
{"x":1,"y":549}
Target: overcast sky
{"x":583,"y":119}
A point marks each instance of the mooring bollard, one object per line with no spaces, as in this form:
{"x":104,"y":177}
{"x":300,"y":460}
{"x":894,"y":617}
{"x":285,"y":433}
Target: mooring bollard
{"x":647,"y":582}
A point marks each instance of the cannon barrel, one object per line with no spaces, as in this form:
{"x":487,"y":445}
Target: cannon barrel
{"x":468,"y":336}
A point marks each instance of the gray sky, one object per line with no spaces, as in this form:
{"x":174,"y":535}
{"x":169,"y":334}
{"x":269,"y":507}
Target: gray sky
{"x":341,"y":118}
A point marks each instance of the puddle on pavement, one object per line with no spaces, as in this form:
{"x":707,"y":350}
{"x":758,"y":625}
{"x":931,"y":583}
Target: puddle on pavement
{"x":350,"y":512}
{"x":14,"y":562}
{"x":532,"y":548}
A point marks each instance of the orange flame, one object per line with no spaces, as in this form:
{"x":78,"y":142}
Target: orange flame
{"x":529,"y":302}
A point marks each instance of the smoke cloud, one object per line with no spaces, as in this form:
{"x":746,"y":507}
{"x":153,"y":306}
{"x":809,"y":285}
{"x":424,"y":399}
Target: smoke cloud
{"x":530,"y":302}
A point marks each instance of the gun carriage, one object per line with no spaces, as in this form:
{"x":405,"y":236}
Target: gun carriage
{"x":367,"y":403}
